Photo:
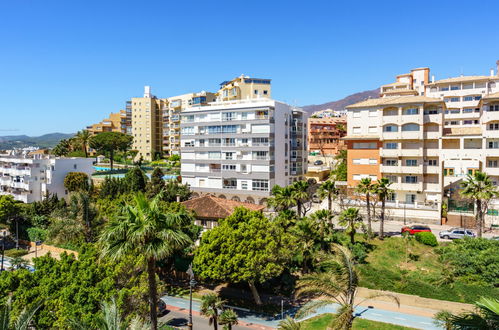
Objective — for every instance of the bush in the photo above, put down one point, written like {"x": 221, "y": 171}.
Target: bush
{"x": 37, "y": 234}
{"x": 426, "y": 238}
{"x": 13, "y": 253}
{"x": 76, "y": 181}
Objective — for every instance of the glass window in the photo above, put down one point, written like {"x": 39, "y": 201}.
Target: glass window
{"x": 494, "y": 107}
{"x": 390, "y": 128}
{"x": 356, "y": 130}
{"x": 493, "y": 127}
{"x": 492, "y": 163}
{"x": 365, "y": 145}
{"x": 391, "y": 145}
{"x": 455, "y": 87}
{"x": 444, "y": 88}
{"x": 373, "y": 113}
{"x": 410, "y": 127}
{"x": 432, "y": 162}
{"x": 411, "y": 179}
{"x": 391, "y": 162}
{"x": 262, "y": 185}
{"x": 468, "y": 98}
{"x": 411, "y": 111}
{"x": 448, "y": 172}
{"x": 411, "y": 162}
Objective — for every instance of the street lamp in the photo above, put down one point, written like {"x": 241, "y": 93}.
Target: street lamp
{"x": 192, "y": 283}
{"x": 3, "y": 248}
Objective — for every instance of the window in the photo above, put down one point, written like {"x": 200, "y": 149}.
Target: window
{"x": 410, "y": 198}
{"x": 432, "y": 162}
{"x": 391, "y": 197}
{"x": 431, "y": 111}
{"x": 493, "y": 127}
{"x": 228, "y": 116}
{"x": 244, "y": 185}
{"x": 365, "y": 145}
{"x": 477, "y": 98}
{"x": 453, "y": 99}
{"x": 392, "y": 178}
{"x": 454, "y": 122}
{"x": 467, "y": 122}
{"x": 261, "y": 155}
{"x": 213, "y": 155}
{"x": 392, "y": 112}
{"x": 229, "y": 142}
{"x": 373, "y": 113}
{"x": 229, "y": 129}
{"x": 411, "y": 179}
{"x": 455, "y": 87}
{"x": 391, "y": 145}
{"x": 265, "y": 92}
{"x": 229, "y": 155}
{"x": 468, "y": 110}
{"x": 230, "y": 183}
{"x": 356, "y": 114}
{"x": 356, "y": 130}
{"x": 228, "y": 167}
{"x": 410, "y": 127}
{"x": 390, "y": 128}
{"x": 494, "y": 107}
{"x": 373, "y": 161}
{"x": 444, "y": 88}
{"x": 492, "y": 163}
{"x": 372, "y": 129}
{"x": 262, "y": 185}
{"x": 448, "y": 172}
{"x": 187, "y": 130}
{"x": 411, "y": 162}
{"x": 411, "y": 111}
{"x": 471, "y": 171}
{"x": 468, "y": 98}
{"x": 468, "y": 86}
{"x": 391, "y": 162}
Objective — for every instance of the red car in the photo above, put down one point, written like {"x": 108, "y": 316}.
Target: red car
{"x": 415, "y": 229}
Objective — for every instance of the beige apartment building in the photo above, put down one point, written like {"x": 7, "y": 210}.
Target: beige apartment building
{"x": 244, "y": 88}
{"x": 116, "y": 122}
{"x": 426, "y": 141}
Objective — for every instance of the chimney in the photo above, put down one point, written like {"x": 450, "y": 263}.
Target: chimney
{"x": 491, "y": 72}
{"x": 147, "y": 91}
{"x": 432, "y": 78}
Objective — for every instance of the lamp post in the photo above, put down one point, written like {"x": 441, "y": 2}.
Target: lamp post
{"x": 192, "y": 283}
{"x": 3, "y": 248}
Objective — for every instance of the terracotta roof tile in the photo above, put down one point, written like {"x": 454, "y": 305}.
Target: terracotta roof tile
{"x": 210, "y": 207}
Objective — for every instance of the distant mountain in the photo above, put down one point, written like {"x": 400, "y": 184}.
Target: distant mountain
{"x": 341, "y": 104}
{"x": 22, "y": 141}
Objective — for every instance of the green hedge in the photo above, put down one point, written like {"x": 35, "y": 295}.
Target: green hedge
{"x": 426, "y": 238}
{"x": 13, "y": 253}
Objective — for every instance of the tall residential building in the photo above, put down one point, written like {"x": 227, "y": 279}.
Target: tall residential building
{"x": 240, "y": 149}
{"x": 171, "y": 117}
{"x": 147, "y": 121}
{"x": 116, "y": 122}
{"x": 426, "y": 145}
{"x": 324, "y": 135}
{"x": 29, "y": 179}
{"x": 243, "y": 88}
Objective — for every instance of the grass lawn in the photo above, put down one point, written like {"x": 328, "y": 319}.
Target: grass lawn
{"x": 321, "y": 322}
{"x": 390, "y": 267}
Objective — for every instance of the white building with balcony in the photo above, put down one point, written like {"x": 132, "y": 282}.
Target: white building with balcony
{"x": 240, "y": 149}
{"x": 29, "y": 179}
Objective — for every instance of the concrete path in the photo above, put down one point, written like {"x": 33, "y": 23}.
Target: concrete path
{"x": 247, "y": 318}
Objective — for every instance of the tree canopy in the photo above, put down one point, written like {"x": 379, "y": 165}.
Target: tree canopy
{"x": 110, "y": 142}
{"x": 76, "y": 181}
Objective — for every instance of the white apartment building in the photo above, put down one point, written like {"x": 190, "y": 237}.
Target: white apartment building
{"x": 240, "y": 149}
{"x": 426, "y": 140}
{"x": 29, "y": 179}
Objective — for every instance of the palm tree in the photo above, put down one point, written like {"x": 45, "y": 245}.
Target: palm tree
{"x": 18, "y": 263}
{"x": 289, "y": 324}
{"x": 443, "y": 319}
{"x": 336, "y": 285}
{"x": 479, "y": 187}
{"x": 301, "y": 195}
{"x": 328, "y": 190}
{"x": 325, "y": 227}
{"x": 381, "y": 187}
{"x": 211, "y": 304}
{"x": 366, "y": 186}
{"x": 283, "y": 198}
{"x": 228, "y": 318}
{"x": 351, "y": 219}
{"x": 145, "y": 230}
{"x": 23, "y": 320}
{"x": 485, "y": 317}
{"x": 83, "y": 138}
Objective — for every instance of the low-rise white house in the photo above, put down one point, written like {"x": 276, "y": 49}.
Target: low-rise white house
{"x": 30, "y": 178}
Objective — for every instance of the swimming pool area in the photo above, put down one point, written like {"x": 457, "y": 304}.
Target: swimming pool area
{"x": 122, "y": 175}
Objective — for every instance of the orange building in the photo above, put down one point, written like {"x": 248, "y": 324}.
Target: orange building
{"x": 324, "y": 135}
{"x": 363, "y": 159}
{"x": 117, "y": 122}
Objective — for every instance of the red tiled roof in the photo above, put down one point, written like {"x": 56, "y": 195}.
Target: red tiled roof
{"x": 210, "y": 207}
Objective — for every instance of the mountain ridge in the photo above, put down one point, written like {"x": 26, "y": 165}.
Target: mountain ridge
{"x": 342, "y": 103}
{"x": 48, "y": 140}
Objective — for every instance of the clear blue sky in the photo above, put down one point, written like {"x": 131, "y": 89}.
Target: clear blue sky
{"x": 66, "y": 64}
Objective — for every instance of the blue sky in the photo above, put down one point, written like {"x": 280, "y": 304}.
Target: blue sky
{"x": 67, "y": 64}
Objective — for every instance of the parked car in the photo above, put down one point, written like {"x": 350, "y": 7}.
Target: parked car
{"x": 318, "y": 162}
{"x": 415, "y": 229}
{"x": 456, "y": 233}
{"x": 162, "y": 310}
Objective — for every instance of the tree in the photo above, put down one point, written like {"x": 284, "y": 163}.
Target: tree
{"x": 136, "y": 180}
{"x": 244, "y": 247}
{"x": 228, "y": 318}
{"x": 174, "y": 189}
{"x": 485, "y": 317}
{"x": 83, "y": 139}
{"x": 76, "y": 181}
{"x": 157, "y": 183}
{"x": 146, "y": 231}
{"x": 339, "y": 173}
{"x": 23, "y": 320}
{"x": 381, "y": 187}
{"x": 338, "y": 284}
{"x": 289, "y": 324}
{"x": 443, "y": 320}
{"x": 9, "y": 207}
{"x": 351, "y": 219}
{"x": 211, "y": 304}
{"x": 301, "y": 193}
{"x": 110, "y": 142}
{"x": 18, "y": 263}
{"x": 282, "y": 198}
{"x": 63, "y": 148}
{"x": 83, "y": 210}
{"x": 328, "y": 190}
{"x": 366, "y": 187}
{"x": 480, "y": 188}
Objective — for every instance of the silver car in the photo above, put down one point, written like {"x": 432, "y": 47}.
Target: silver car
{"x": 456, "y": 233}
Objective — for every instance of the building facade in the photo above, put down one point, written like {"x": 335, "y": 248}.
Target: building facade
{"x": 244, "y": 88}
{"x": 324, "y": 135}
{"x": 29, "y": 179}
{"x": 426, "y": 141}
{"x": 116, "y": 122}
{"x": 240, "y": 149}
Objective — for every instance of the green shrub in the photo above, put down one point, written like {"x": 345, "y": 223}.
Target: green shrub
{"x": 37, "y": 234}
{"x": 13, "y": 253}
{"x": 426, "y": 238}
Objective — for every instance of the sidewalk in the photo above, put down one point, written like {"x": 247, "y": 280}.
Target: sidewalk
{"x": 408, "y": 316}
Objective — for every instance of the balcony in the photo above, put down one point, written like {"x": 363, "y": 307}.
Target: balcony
{"x": 433, "y": 119}
{"x": 490, "y": 116}
{"x": 411, "y": 169}
{"x": 431, "y": 152}
{"x": 494, "y": 171}
{"x": 407, "y": 186}
{"x": 431, "y": 135}
{"x": 432, "y": 187}
{"x": 389, "y": 169}
{"x": 411, "y": 152}
{"x": 431, "y": 169}
{"x": 389, "y": 152}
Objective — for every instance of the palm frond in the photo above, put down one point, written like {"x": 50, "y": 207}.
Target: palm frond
{"x": 312, "y": 306}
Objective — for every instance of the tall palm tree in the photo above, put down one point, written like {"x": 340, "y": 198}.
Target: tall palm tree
{"x": 336, "y": 285}
{"x": 145, "y": 230}
{"x": 283, "y": 198}
{"x": 211, "y": 304}
{"x": 289, "y": 324}
{"x": 479, "y": 187}
{"x": 325, "y": 227}
{"x": 328, "y": 190}
{"x": 381, "y": 187}
{"x": 366, "y": 187}
{"x": 301, "y": 195}
{"x": 351, "y": 220}
{"x": 23, "y": 320}
{"x": 83, "y": 138}
{"x": 485, "y": 317}
{"x": 228, "y": 318}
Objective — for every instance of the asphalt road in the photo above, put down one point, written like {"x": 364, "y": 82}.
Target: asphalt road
{"x": 180, "y": 319}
